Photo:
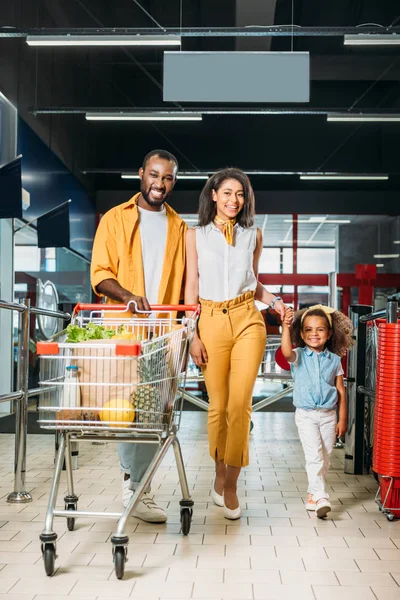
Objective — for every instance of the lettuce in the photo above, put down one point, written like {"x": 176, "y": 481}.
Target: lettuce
{"x": 90, "y": 332}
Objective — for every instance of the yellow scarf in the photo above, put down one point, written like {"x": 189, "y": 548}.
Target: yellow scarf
{"x": 227, "y": 229}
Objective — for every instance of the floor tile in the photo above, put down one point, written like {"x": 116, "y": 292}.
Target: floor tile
{"x": 277, "y": 550}
{"x": 282, "y": 592}
{"x": 323, "y": 592}
{"x": 362, "y": 579}
{"x": 226, "y": 591}
{"x": 386, "y": 593}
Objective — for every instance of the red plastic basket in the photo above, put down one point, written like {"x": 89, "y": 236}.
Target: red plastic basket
{"x": 386, "y": 455}
{"x": 390, "y": 494}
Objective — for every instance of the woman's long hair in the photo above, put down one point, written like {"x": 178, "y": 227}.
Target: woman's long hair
{"x": 207, "y": 206}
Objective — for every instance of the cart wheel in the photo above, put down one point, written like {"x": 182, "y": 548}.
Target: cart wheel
{"x": 390, "y": 516}
{"x": 251, "y": 426}
{"x": 186, "y": 519}
{"x": 119, "y": 561}
{"x": 49, "y": 557}
{"x": 70, "y": 520}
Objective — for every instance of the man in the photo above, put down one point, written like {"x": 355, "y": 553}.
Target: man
{"x": 139, "y": 254}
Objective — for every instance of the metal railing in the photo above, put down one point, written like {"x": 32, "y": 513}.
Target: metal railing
{"x": 22, "y": 394}
{"x": 389, "y": 313}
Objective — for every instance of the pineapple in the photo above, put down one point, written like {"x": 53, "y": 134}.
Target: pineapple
{"x": 144, "y": 400}
{"x": 147, "y": 396}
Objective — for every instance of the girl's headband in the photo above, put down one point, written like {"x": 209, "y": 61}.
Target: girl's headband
{"x": 325, "y": 309}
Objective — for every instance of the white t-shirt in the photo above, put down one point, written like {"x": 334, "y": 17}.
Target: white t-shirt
{"x": 153, "y": 226}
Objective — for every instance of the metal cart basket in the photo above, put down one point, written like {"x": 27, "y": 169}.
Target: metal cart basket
{"x": 121, "y": 389}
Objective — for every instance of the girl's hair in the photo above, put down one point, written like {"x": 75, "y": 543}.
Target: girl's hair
{"x": 207, "y": 207}
{"x": 341, "y": 339}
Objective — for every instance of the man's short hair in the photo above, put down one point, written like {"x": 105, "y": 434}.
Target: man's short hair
{"x": 161, "y": 154}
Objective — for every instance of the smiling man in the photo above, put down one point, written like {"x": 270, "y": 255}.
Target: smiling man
{"x": 139, "y": 254}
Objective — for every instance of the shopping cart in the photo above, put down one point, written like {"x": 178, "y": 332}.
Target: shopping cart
{"x": 121, "y": 389}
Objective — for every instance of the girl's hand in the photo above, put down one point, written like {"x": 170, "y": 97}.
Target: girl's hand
{"x": 198, "y": 352}
{"x": 288, "y": 318}
{"x": 341, "y": 427}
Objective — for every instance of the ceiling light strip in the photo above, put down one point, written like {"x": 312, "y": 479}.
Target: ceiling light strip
{"x": 145, "y": 116}
{"x": 372, "y": 40}
{"x": 313, "y": 222}
{"x": 344, "y": 177}
{"x": 103, "y": 40}
{"x": 363, "y": 118}
{"x": 386, "y": 255}
{"x": 181, "y": 175}
{"x": 195, "y": 174}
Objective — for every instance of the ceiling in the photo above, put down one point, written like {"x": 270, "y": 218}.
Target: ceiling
{"x": 76, "y": 79}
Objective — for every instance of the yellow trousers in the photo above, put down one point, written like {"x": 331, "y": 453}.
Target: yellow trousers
{"x": 233, "y": 333}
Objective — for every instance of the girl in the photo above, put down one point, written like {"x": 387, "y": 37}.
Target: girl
{"x": 223, "y": 252}
{"x": 321, "y": 335}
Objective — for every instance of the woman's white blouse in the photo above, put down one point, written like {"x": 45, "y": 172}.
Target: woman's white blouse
{"x": 225, "y": 271}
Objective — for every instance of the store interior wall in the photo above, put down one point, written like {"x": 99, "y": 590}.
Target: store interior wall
{"x": 8, "y": 149}
{"x": 50, "y": 183}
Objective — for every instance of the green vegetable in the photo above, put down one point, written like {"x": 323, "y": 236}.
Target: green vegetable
{"x": 90, "y": 332}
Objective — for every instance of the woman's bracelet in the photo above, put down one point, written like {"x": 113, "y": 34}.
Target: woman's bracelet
{"x": 272, "y": 304}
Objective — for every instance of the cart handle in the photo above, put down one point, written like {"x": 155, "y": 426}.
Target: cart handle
{"x": 195, "y": 308}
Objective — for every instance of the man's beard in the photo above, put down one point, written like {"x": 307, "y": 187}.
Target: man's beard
{"x": 155, "y": 203}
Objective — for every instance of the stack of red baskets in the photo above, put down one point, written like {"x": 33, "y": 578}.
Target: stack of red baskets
{"x": 386, "y": 453}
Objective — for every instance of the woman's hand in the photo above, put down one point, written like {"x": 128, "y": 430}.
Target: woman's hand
{"x": 280, "y": 308}
{"x": 198, "y": 352}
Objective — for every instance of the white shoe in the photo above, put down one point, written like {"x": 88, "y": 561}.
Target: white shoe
{"x": 147, "y": 509}
{"x": 218, "y": 499}
{"x": 234, "y": 514}
{"x": 310, "y": 504}
{"x": 322, "y": 508}
{"x": 127, "y": 493}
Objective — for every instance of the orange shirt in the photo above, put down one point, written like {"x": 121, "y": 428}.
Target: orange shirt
{"x": 117, "y": 253}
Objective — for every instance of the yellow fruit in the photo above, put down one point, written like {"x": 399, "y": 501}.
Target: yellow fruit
{"x": 119, "y": 412}
{"x": 124, "y": 335}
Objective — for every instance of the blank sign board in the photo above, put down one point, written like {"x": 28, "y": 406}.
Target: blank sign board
{"x": 237, "y": 76}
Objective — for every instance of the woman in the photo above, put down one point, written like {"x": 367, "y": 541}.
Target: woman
{"x": 223, "y": 252}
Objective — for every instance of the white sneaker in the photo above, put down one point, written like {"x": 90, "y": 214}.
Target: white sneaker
{"x": 310, "y": 504}
{"x": 322, "y": 508}
{"x": 147, "y": 509}
{"x": 127, "y": 493}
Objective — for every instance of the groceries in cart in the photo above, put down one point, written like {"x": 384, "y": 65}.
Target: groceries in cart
{"x": 113, "y": 374}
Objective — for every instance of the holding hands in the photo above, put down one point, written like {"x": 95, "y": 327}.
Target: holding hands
{"x": 288, "y": 316}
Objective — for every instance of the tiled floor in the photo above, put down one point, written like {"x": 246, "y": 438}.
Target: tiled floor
{"x": 276, "y": 551}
